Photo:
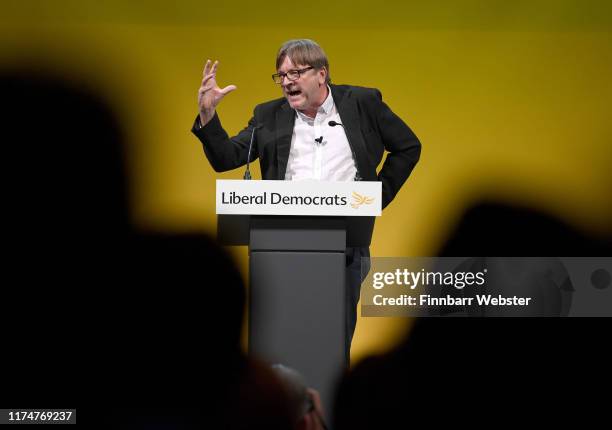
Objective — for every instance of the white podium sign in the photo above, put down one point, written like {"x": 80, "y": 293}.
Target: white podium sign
{"x": 240, "y": 197}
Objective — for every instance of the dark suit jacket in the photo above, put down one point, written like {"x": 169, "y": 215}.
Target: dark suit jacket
{"x": 370, "y": 125}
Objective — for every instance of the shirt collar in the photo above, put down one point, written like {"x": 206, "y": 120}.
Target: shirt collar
{"x": 328, "y": 104}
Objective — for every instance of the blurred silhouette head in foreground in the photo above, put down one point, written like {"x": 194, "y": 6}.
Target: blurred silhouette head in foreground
{"x": 148, "y": 323}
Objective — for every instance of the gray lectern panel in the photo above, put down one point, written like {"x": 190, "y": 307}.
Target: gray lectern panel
{"x": 275, "y": 233}
{"x": 297, "y": 314}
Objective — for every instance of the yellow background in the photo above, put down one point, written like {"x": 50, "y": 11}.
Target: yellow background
{"x": 510, "y": 99}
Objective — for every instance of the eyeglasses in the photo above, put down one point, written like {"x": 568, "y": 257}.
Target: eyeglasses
{"x": 292, "y": 75}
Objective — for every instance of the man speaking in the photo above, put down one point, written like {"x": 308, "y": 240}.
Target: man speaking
{"x": 316, "y": 131}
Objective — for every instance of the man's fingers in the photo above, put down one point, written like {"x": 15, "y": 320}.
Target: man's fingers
{"x": 207, "y": 78}
{"x": 228, "y": 89}
{"x": 208, "y": 83}
{"x": 206, "y": 68}
{"x": 222, "y": 92}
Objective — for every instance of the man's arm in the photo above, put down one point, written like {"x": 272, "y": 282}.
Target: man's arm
{"x": 404, "y": 150}
{"x": 224, "y": 152}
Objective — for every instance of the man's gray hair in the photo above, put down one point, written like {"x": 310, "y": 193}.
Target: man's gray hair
{"x": 304, "y": 52}
{"x": 295, "y": 388}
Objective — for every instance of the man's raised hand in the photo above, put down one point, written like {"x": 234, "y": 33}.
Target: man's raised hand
{"x": 209, "y": 94}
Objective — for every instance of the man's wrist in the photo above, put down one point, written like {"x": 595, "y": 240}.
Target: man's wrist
{"x": 202, "y": 120}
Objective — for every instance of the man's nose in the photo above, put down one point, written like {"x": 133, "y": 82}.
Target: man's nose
{"x": 285, "y": 82}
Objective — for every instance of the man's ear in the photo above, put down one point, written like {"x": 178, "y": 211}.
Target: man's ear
{"x": 322, "y": 75}
{"x": 306, "y": 422}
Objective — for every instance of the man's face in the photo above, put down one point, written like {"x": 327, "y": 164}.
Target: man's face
{"x": 309, "y": 91}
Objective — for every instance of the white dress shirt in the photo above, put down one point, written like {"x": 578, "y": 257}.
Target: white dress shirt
{"x": 330, "y": 160}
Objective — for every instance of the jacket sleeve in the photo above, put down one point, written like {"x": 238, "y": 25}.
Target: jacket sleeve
{"x": 224, "y": 152}
{"x": 403, "y": 147}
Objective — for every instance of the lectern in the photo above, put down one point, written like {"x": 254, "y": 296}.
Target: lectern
{"x": 297, "y": 265}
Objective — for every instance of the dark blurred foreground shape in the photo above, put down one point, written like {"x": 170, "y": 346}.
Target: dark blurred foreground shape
{"x": 135, "y": 330}
{"x": 497, "y": 229}
{"x": 479, "y": 372}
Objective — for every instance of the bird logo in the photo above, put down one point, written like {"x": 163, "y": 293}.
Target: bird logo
{"x": 359, "y": 200}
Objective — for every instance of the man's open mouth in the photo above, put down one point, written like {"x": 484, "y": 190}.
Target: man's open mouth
{"x": 294, "y": 92}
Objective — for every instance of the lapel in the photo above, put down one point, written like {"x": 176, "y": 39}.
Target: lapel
{"x": 285, "y": 119}
{"x": 349, "y": 116}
